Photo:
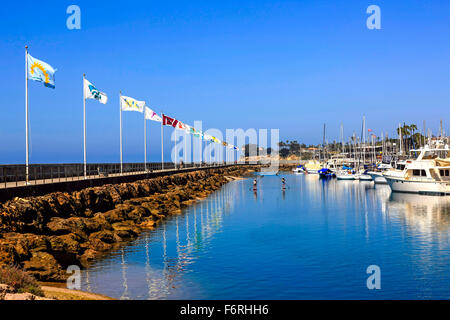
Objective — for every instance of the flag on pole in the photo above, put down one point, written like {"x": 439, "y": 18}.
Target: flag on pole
{"x": 41, "y": 72}
{"x": 188, "y": 128}
{"x": 181, "y": 126}
{"x": 130, "y": 104}
{"x": 91, "y": 92}
{"x": 168, "y": 121}
{"x": 198, "y": 134}
{"x": 152, "y": 115}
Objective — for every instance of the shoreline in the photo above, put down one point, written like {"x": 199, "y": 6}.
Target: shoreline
{"x": 46, "y": 234}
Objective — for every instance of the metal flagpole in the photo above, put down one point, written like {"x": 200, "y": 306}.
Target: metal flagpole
{"x": 176, "y": 156}
{"x": 185, "y": 147}
{"x": 84, "y": 126}
{"x": 121, "y": 154}
{"x": 145, "y": 143}
{"x": 26, "y": 114}
{"x": 162, "y": 142}
{"x": 201, "y": 151}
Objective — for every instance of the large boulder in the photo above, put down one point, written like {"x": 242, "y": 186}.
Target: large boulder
{"x": 105, "y": 236}
{"x": 8, "y": 254}
{"x": 68, "y": 243}
{"x": 126, "y": 229}
{"x": 25, "y": 244}
{"x": 44, "y": 267}
{"x": 60, "y": 226}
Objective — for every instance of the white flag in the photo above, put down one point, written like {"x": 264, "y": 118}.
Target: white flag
{"x": 152, "y": 115}
{"x": 91, "y": 92}
{"x": 130, "y": 104}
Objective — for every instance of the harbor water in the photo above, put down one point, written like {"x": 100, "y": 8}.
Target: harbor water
{"x": 314, "y": 240}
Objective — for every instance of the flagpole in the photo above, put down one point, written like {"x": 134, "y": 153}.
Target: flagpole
{"x": 84, "y": 126}
{"x": 121, "y": 155}
{"x": 162, "y": 142}
{"x": 185, "y": 147}
{"x": 201, "y": 151}
{"x": 145, "y": 142}
{"x": 26, "y": 115}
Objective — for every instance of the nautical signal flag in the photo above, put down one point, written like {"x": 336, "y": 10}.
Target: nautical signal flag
{"x": 41, "y": 72}
{"x": 130, "y": 104}
{"x": 168, "y": 121}
{"x": 152, "y": 115}
{"x": 91, "y": 92}
{"x": 181, "y": 126}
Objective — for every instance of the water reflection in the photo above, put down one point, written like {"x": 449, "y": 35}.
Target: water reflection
{"x": 426, "y": 213}
{"x": 164, "y": 268}
{"x": 321, "y": 222}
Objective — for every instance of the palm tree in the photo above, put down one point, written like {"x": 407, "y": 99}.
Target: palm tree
{"x": 407, "y": 132}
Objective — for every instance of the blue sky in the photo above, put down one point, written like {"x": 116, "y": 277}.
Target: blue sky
{"x": 292, "y": 65}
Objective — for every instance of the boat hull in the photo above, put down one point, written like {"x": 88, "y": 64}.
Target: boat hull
{"x": 345, "y": 177}
{"x": 378, "y": 177}
{"x": 420, "y": 187}
{"x": 365, "y": 177}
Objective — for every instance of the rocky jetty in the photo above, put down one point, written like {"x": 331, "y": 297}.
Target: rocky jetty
{"x": 44, "y": 235}
{"x": 287, "y": 167}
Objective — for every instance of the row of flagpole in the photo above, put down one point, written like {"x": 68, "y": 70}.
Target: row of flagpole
{"x": 42, "y": 72}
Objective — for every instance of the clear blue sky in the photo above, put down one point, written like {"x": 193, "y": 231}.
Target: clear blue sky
{"x": 291, "y": 65}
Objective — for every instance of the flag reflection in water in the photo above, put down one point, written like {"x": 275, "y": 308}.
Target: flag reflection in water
{"x": 167, "y": 251}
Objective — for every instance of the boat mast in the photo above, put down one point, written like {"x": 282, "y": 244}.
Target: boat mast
{"x": 323, "y": 145}
{"x": 363, "y": 137}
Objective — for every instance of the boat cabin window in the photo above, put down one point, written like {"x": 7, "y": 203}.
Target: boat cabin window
{"x": 430, "y": 155}
{"x": 419, "y": 173}
{"x": 445, "y": 173}
{"x": 401, "y": 167}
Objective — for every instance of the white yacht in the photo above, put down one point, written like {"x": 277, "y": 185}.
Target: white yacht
{"x": 365, "y": 177}
{"x": 313, "y": 166}
{"x": 377, "y": 176}
{"x": 299, "y": 170}
{"x": 428, "y": 174}
{"x": 347, "y": 175}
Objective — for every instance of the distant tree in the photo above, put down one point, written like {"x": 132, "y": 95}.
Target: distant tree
{"x": 251, "y": 150}
{"x": 284, "y": 152}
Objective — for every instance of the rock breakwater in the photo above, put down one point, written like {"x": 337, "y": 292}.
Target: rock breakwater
{"x": 44, "y": 235}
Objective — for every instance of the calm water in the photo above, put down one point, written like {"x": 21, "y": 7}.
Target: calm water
{"x": 313, "y": 241}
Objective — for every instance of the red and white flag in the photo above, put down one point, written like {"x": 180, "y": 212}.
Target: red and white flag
{"x": 181, "y": 125}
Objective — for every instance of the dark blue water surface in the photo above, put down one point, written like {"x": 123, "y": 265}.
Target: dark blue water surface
{"x": 313, "y": 241}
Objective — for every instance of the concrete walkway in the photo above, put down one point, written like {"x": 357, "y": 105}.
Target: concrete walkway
{"x": 8, "y": 185}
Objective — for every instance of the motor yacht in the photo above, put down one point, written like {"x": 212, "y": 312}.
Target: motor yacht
{"x": 428, "y": 174}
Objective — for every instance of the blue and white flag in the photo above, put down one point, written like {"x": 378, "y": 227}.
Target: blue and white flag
{"x": 91, "y": 92}
{"x": 41, "y": 72}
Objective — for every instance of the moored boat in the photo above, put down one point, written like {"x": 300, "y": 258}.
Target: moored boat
{"x": 326, "y": 174}
{"x": 428, "y": 174}
{"x": 377, "y": 177}
{"x": 299, "y": 170}
{"x": 313, "y": 166}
